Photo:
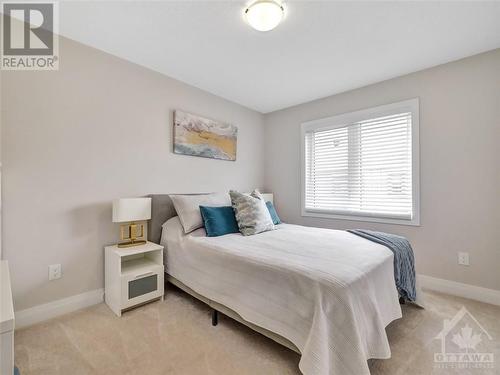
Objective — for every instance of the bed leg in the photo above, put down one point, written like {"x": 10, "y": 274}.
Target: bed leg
{"x": 215, "y": 317}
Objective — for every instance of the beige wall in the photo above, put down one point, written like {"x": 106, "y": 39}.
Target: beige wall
{"x": 98, "y": 129}
{"x": 459, "y": 158}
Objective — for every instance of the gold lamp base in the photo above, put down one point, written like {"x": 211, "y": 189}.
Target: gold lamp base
{"x": 133, "y": 234}
{"x": 131, "y": 243}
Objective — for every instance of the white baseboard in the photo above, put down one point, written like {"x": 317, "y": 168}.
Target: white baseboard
{"x": 53, "y": 309}
{"x": 454, "y": 288}
{"x": 36, "y": 314}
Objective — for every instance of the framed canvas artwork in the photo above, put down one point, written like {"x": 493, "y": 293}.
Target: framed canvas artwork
{"x": 198, "y": 136}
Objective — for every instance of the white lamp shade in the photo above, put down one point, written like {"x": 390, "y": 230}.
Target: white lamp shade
{"x": 131, "y": 209}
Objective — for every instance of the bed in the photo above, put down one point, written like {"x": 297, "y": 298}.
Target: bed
{"x": 325, "y": 294}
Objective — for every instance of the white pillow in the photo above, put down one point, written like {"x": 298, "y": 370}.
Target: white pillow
{"x": 188, "y": 207}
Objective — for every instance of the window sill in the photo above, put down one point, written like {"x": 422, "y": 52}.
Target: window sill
{"x": 372, "y": 219}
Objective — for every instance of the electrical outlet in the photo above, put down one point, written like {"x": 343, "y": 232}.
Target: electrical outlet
{"x": 463, "y": 258}
{"x": 54, "y": 271}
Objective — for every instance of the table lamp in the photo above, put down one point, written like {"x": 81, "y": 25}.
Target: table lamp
{"x": 130, "y": 211}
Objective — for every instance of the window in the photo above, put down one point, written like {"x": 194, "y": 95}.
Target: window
{"x": 363, "y": 165}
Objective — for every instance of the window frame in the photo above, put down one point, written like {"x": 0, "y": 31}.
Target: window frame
{"x": 341, "y": 120}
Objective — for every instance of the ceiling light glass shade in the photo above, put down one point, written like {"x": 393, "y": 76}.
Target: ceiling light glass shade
{"x": 264, "y": 15}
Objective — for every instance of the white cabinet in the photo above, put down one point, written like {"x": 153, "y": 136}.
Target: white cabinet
{"x": 6, "y": 322}
{"x": 133, "y": 275}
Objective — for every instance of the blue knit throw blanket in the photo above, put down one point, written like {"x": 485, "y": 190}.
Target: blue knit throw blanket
{"x": 404, "y": 262}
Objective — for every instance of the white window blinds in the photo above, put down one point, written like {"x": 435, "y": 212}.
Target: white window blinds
{"x": 363, "y": 168}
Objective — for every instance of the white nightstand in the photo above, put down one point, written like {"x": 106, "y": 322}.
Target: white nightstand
{"x": 133, "y": 275}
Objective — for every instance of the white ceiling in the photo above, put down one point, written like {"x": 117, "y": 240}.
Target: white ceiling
{"x": 320, "y": 49}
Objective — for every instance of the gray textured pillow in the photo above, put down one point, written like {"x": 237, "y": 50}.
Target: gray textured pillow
{"x": 251, "y": 213}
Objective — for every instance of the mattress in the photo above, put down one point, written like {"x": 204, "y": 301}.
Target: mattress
{"x": 329, "y": 292}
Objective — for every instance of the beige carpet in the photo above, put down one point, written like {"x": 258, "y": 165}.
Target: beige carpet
{"x": 176, "y": 337}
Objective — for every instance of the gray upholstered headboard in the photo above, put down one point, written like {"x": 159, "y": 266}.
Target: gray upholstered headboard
{"x": 163, "y": 209}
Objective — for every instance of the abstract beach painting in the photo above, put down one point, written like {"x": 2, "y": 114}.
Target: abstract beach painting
{"x": 199, "y": 136}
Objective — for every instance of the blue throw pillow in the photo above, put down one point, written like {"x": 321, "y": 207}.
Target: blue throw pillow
{"x": 219, "y": 220}
{"x": 274, "y": 214}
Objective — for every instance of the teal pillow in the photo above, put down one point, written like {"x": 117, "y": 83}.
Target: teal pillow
{"x": 219, "y": 220}
{"x": 274, "y": 214}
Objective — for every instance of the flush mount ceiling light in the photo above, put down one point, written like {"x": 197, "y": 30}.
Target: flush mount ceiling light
{"x": 264, "y": 15}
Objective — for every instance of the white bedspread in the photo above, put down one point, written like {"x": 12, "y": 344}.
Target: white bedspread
{"x": 329, "y": 292}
